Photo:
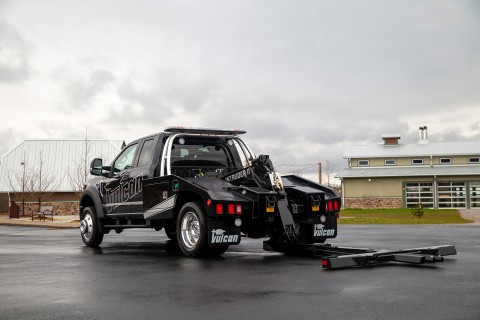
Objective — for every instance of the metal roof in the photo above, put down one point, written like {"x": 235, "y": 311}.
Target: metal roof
{"x": 413, "y": 171}
{"x": 413, "y": 150}
{"x": 59, "y": 158}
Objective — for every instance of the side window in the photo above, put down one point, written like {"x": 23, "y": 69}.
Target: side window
{"x": 125, "y": 159}
{"x": 146, "y": 153}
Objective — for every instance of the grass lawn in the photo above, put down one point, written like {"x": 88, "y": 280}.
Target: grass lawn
{"x": 399, "y": 216}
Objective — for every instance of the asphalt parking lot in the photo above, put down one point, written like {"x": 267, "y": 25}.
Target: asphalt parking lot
{"x": 49, "y": 274}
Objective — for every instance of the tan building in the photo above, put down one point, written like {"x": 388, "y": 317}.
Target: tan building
{"x": 396, "y": 175}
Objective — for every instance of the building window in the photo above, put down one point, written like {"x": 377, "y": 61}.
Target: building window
{"x": 390, "y": 162}
{"x": 417, "y": 161}
{"x": 418, "y": 193}
{"x": 363, "y": 163}
{"x": 474, "y": 160}
{"x": 445, "y": 160}
{"x": 451, "y": 195}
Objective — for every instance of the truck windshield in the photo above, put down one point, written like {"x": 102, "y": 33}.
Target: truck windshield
{"x": 195, "y": 156}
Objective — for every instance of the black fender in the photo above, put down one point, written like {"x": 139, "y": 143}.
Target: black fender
{"x": 90, "y": 197}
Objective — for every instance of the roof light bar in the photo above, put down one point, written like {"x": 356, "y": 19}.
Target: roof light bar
{"x": 196, "y": 130}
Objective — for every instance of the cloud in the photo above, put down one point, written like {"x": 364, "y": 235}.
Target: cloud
{"x": 82, "y": 83}
{"x": 166, "y": 92}
{"x": 9, "y": 138}
{"x": 15, "y": 55}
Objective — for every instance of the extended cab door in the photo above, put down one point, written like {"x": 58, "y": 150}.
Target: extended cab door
{"x": 141, "y": 171}
{"x": 117, "y": 191}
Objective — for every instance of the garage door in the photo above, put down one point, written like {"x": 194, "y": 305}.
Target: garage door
{"x": 452, "y": 195}
{"x": 475, "y": 194}
{"x": 419, "y": 192}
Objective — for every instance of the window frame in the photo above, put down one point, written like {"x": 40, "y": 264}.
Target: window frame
{"x": 473, "y": 162}
{"x": 418, "y": 159}
{"x": 445, "y": 163}
{"x": 390, "y": 164}
{"x": 367, "y": 163}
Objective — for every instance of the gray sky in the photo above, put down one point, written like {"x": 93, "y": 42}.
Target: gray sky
{"x": 304, "y": 78}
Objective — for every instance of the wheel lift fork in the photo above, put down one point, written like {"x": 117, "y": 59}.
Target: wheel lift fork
{"x": 344, "y": 257}
{"x": 412, "y": 256}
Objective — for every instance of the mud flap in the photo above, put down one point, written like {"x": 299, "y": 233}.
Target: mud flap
{"x": 324, "y": 230}
{"x": 222, "y": 233}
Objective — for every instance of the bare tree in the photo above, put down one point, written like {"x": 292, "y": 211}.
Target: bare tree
{"x": 78, "y": 172}
{"x": 41, "y": 184}
{"x": 329, "y": 176}
{"x": 18, "y": 181}
{"x": 329, "y": 172}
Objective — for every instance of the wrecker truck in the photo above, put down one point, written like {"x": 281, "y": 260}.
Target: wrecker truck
{"x": 207, "y": 189}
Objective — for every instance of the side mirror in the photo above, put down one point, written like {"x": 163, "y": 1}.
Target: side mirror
{"x": 96, "y": 167}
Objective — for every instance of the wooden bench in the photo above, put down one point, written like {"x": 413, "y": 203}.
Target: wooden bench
{"x": 44, "y": 211}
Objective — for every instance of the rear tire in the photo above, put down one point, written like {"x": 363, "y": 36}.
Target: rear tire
{"x": 89, "y": 228}
{"x": 192, "y": 230}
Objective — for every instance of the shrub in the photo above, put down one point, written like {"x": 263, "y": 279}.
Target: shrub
{"x": 418, "y": 210}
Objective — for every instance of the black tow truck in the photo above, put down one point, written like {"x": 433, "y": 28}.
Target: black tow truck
{"x": 207, "y": 189}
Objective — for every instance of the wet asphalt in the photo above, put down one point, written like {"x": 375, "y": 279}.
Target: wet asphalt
{"x": 140, "y": 274}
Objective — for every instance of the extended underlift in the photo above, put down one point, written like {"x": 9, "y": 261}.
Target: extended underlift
{"x": 334, "y": 257}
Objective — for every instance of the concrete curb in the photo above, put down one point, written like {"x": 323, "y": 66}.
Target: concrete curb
{"x": 63, "y": 222}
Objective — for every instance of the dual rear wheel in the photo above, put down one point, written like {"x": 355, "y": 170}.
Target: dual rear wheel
{"x": 192, "y": 232}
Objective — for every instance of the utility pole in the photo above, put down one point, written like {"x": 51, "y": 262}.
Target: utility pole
{"x": 23, "y": 188}
{"x": 320, "y": 172}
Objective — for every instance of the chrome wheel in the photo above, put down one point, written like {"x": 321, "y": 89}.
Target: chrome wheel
{"x": 90, "y": 230}
{"x": 86, "y": 227}
{"x": 190, "y": 230}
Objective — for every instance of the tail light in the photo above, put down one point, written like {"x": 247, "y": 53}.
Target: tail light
{"x": 231, "y": 208}
{"x": 329, "y": 206}
{"x": 332, "y": 205}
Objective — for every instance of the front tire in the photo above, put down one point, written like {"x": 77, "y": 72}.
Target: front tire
{"x": 89, "y": 228}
